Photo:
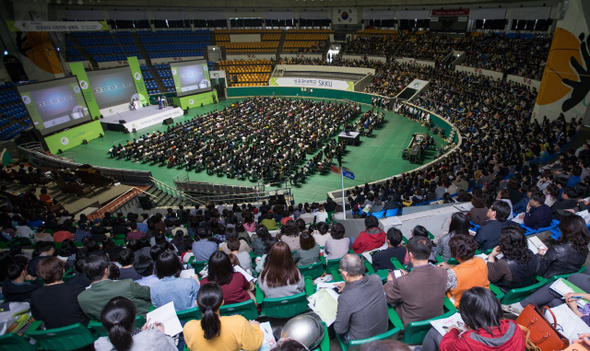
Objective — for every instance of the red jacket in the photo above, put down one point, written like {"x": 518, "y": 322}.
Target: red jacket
{"x": 368, "y": 240}
{"x": 509, "y": 338}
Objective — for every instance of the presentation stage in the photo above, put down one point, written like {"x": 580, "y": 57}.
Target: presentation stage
{"x": 190, "y": 77}
{"x": 112, "y": 87}
{"x": 55, "y": 105}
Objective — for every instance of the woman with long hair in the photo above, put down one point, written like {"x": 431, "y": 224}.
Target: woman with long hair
{"x": 458, "y": 224}
{"x": 235, "y": 287}
{"x": 571, "y": 250}
{"x": 486, "y": 329}
{"x": 117, "y": 317}
{"x": 213, "y": 332}
{"x": 280, "y": 276}
{"x": 518, "y": 266}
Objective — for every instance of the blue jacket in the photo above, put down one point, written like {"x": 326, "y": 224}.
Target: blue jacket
{"x": 538, "y": 217}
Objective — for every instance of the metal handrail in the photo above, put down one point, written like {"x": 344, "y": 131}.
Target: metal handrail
{"x": 117, "y": 202}
{"x": 34, "y": 152}
{"x": 176, "y": 192}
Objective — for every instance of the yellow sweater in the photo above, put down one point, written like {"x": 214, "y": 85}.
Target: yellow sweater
{"x": 469, "y": 274}
{"x": 236, "y": 334}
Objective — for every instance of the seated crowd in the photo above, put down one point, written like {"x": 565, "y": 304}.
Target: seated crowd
{"x": 143, "y": 270}
{"x": 520, "y": 56}
{"x": 262, "y": 137}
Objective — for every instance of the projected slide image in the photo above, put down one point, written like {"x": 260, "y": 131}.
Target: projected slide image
{"x": 190, "y": 77}
{"x": 57, "y": 105}
{"x": 112, "y": 87}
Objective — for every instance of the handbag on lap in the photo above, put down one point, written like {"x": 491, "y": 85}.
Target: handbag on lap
{"x": 542, "y": 333}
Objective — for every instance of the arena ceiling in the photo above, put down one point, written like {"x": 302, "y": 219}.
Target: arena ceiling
{"x": 284, "y": 4}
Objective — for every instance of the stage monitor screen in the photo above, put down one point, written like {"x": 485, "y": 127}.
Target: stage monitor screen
{"x": 190, "y": 77}
{"x": 112, "y": 87}
{"x": 55, "y": 105}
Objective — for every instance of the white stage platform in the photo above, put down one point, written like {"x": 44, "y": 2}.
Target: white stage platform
{"x": 140, "y": 118}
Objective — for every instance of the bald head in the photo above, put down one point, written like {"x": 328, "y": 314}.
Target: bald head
{"x": 352, "y": 264}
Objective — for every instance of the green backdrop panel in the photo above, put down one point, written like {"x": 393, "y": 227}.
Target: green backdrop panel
{"x": 192, "y": 101}
{"x": 138, "y": 80}
{"x": 79, "y": 71}
{"x": 73, "y": 137}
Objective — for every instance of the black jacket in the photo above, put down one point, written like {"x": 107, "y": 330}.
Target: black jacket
{"x": 560, "y": 259}
{"x": 523, "y": 274}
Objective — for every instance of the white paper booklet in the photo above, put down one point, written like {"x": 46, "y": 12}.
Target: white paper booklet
{"x": 517, "y": 218}
{"x": 246, "y": 275}
{"x": 325, "y": 304}
{"x": 445, "y": 324}
{"x": 187, "y": 273}
{"x": 167, "y": 316}
{"x": 269, "y": 339}
{"x": 535, "y": 244}
{"x": 562, "y": 286}
{"x": 369, "y": 257}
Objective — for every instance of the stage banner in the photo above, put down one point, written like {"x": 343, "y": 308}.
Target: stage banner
{"x": 193, "y": 101}
{"x": 73, "y": 137}
{"x": 138, "y": 79}
{"x": 57, "y": 26}
{"x": 312, "y": 83}
{"x": 79, "y": 71}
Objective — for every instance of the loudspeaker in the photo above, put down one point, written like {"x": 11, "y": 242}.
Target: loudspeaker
{"x": 122, "y": 121}
{"x": 168, "y": 121}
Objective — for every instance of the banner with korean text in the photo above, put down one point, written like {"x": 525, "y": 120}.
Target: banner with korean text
{"x": 312, "y": 83}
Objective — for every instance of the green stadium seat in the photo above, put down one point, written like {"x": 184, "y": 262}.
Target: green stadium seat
{"x": 190, "y": 314}
{"x": 72, "y": 337}
{"x": 15, "y": 342}
{"x": 313, "y": 270}
{"x": 519, "y": 294}
{"x": 247, "y": 309}
{"x": 282, "y": 307}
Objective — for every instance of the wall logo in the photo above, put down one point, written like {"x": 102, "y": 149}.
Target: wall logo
{"x": 191, "y": 102}
{"x": 83, "y": 85}
{"x": 137, "y": 76}
{"x": 417, "y": 84}
{"x": 64, "y": 141}
{"x": 26, "y": 100}
{"x": 77, "y": 89}
{"x": 173, "y": 71}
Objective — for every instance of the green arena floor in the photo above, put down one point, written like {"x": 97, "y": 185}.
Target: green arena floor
{"x": 378, "y": 157}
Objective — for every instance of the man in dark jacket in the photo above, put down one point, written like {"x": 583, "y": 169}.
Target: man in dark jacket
{"x": 538, "y": 215}
{"x": 488, "y": 235}
{"x": 568, "y": 202}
